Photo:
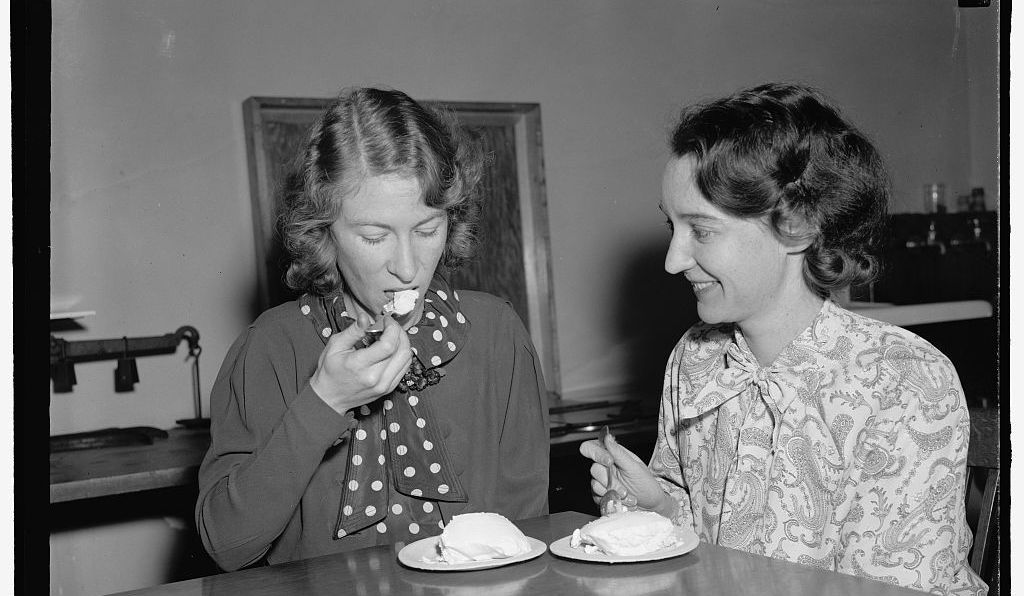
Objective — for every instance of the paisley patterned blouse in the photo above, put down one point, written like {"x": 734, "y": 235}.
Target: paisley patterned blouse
{"x": 847, "y": 453}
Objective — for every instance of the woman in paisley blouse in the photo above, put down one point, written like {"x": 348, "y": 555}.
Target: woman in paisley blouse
{"x": 324, "y": 441}
{"x": 791, "y": 427}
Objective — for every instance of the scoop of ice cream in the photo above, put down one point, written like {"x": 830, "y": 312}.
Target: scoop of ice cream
{"x": 402, "y": 303}
{"x": 480, "y": 537}
{"x": 626, "y": 533}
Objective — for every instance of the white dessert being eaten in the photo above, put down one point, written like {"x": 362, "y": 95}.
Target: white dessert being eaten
{"x": 480, "y": 537}
{"x": 626, "y": 533}
{"x": 402, "y": 303}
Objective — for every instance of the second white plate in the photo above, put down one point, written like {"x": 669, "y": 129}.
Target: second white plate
{"x": 422, "y": 554}
{"x": 689, "y": 541}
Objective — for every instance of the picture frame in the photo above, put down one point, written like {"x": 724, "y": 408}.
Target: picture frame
{"x": 514, "y": 257}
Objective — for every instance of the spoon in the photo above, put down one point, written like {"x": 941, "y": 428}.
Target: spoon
{"x": 612, "y": 501}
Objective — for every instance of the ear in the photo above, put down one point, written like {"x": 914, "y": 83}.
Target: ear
{"x": 797, "y": 234}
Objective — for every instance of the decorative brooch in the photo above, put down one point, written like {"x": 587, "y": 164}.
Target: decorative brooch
{"x": 417, "y": 378}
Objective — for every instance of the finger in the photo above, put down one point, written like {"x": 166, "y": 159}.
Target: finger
{"x": 597, "y": 488}
{"x": 621, "y": 456}
{"x": 346, "y": 340}
{"x": 594, "y": 451}
{"x": 599, "y": 473}
{"x": 395, "y": 369}
{"x": 384, "y": 348}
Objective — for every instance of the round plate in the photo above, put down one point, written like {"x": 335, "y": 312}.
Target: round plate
{"x": 689, "y": 541}
{"x": 422, "y": 554}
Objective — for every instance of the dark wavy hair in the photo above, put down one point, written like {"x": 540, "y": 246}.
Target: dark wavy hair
{"x": 783, "y": 153}
{"x": 372, "y": 132}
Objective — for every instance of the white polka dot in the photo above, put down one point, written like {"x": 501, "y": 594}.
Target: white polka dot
{"x": 357, "y": 459}
{"x": 428, "y": 507}
{"x": 347, "y": 510}
{"x": 415, "y": 351}
{"x": 393, "y": 427}
{"x": 396, "y": 509}
{"x": 451, "y": 346}
{"x": 437, "y": 335}
{"x": 344, "y": 313}
{"x": 460, "y": 318}
{"x": 341, "y": 533}
{"x": 370, "y": 510}
{"x": 413, "y": 400}
{"x": 383, "y": 434}
{"x": 409, "y": 472}
{"x": 388, "y": 404}
{"x": 326, "y": 332}
{"x": 421, "y": 422}
{"x": 444, "y": 321}
{"x": 431, "y": 315}
{"x": 305, "y": 309}
{"x": 416, "y": 492}
{"x": 443, "y": 489}
{"x": 440, "y": 524}
{"x": 377, "y": 485}
{"x": 414, "y": 528}
{"x": 380, "y": 459}
{"x": 428, "y": 445}
{"x": 353, "y": 485}
{"x": 435, "y": 360}
{"x": 360, "y": 434}
{"x": 442, "y": 295}
{"x": 456, "y": 294}
{"x": 401, "y": 450}
{"x": 414, "y": 330}
{"x": 364, "y": 410}
{"x": 435, "y": 467}
{"x": 382, "y": 528}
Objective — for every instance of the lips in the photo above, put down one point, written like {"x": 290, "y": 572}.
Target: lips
{"x": 702, "y": 287}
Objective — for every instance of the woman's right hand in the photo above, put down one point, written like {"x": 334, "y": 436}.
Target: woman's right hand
{"x": 347, "y": 377}
{"x": 617, "y": 468}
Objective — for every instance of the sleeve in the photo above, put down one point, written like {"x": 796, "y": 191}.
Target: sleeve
{"x": 907, "y": 524}
{"x": 666, "y": 460}
{"x": 267, "y": 441}
{"x": 525, "y": 440}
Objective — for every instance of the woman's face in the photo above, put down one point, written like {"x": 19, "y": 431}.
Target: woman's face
{"x": 388, "y": 240}
{"x": 740, "y": 272}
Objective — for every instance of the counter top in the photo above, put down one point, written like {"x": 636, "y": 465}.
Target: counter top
{"x": 88, "y": 473}
{"x": 708, "y": 570}
{"x": 905, "y": 315}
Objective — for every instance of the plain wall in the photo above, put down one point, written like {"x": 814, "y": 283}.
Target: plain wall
{"x": 150, "y": 209}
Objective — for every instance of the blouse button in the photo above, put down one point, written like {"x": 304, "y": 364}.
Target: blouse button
{"x": 326, "y": 332}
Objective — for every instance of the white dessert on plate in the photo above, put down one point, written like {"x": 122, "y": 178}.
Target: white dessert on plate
{"x": 402, "y": 303}
{"x": 627, "y": 533}
{"x": 480, "y": 537}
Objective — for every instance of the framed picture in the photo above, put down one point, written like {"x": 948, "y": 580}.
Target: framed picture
{"x": 513, "y": 260}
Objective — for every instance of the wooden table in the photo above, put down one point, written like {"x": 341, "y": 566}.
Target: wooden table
{"x": 707, "y": 570}
{"x": 88, "y": 473}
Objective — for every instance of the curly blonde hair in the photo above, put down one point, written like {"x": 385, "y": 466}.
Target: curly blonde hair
{"x": 369, "y": 132}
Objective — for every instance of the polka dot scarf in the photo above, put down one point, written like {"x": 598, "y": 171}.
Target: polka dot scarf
{"x": 398, "y": 466}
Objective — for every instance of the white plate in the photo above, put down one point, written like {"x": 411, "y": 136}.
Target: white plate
{"x": 422, "y": 554}
{"x": 689, "y": 541}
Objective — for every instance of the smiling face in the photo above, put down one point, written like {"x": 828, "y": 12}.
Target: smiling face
{"x": 388, "y": 240}
{"x": 740, "y": 271}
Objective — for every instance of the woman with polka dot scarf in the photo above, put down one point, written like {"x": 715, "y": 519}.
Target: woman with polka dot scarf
{"x": 327, "y": 438}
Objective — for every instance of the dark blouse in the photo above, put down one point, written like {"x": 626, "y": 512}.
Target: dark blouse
{"x": 271, "y": 484}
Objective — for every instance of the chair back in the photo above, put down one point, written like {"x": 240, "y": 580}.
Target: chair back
{"x": 983, "y": 494}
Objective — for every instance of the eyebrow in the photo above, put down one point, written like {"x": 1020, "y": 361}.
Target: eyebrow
{"x": 377, "y": 224}
{"x": 691, "y": 216}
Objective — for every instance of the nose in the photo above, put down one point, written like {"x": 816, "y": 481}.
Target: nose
{"x": 679, "y": 256}
{"x": 403, "y": 261}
